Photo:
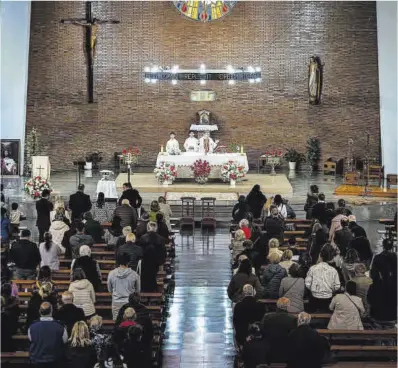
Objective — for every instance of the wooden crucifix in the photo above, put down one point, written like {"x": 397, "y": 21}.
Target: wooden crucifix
{"x": 90, "y": 25}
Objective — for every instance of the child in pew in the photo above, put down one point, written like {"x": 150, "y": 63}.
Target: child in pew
{"x": 102, "y": 342}
{"x": 16, "y": 216}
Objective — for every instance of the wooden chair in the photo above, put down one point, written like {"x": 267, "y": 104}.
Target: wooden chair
{"x": 208, "y": 213}
{"x": 351, "y": 178}
{"x": 329, "y": 168}
{"x": 187, "y": 220}
{"x": 375, "y": 172}
{"x": 392, "y": 179}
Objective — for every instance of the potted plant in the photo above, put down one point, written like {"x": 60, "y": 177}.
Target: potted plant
{"x": 165, "y": 173}
{"x": 232, "y": 172}
{"x": 92, "y": 160}
{"x": 313, "y": 152}
{"x": 293, "y": 157}
{"x": 201, "y": 171}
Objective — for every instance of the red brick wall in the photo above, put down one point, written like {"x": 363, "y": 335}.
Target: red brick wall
{"x": 277, "y": 36}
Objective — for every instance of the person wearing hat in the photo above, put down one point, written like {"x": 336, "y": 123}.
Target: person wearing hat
{"x": 26, "y": 256}
{"x": 79, "y": 203}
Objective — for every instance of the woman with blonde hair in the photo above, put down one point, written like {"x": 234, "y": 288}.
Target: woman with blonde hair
{"x": 272, "y": 277}
{"x": 80, "y": 352}
{"x": 102, "y": 342}
{"x": 237, "y": 244}
{"x": 286, "y": 259}
{"x": 274, "y": 248}
{"x": 59, "y": 208}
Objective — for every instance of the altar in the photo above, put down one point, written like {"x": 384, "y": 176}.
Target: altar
{"x": 184, "y": 161}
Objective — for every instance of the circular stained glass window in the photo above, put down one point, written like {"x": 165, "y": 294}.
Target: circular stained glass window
{"x": 204, "y": 11}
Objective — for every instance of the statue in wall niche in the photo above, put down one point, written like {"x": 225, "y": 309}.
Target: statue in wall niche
{"x": 315, "y": 75}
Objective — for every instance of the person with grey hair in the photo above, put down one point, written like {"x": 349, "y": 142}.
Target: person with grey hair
{"x": 246, "y": 312}
{"x": 127, "y": 213}
{"x": 89, "y": 265}
{"x": 69, "y": 314}
{"x": 305, "y": 346}
{"x": 47, "y": 338}
{"x": 154, "y": 239}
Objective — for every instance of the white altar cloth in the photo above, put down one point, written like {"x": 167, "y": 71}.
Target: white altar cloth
{"x": 216, "y": 160}
{"x": 108, "y": 187}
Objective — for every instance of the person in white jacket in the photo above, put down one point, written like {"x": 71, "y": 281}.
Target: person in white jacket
{"x": 83, "y": 292}
{"x": 58, "y": 229}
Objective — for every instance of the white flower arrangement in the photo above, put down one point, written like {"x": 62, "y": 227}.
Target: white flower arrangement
{"x": 166, "y": 172}
{"x": 35, "y": 186}
{"x": 232, "y": 170}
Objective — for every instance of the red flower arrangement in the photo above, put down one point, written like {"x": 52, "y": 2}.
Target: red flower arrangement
{"x": 201, "y": 168}
{"x": 130, "y": 154}
{"x": 275, "y": 153}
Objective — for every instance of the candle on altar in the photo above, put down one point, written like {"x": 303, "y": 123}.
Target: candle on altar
{"x": 241, "y": 149}
{"x": 161, "y": 148}
{"x": 129, "y": 157}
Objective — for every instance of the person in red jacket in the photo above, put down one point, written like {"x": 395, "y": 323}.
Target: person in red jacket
{"x": 244, "y": 226}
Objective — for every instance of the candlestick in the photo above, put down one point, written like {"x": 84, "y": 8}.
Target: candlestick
{"x": 241, "y": 149}
{"x": 161, "y": 148}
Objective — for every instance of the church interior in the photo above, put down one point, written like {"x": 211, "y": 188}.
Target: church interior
{"x": 231, "y": 125}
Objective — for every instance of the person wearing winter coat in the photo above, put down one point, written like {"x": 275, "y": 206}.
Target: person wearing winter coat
{"x": 293, "y": 287}
{"x": 243, "y": 277}
{"x": 240, "y": 209}
{"x": 122, "y": 281}
{"x": 83, "y": 292}
{"x": 347, "y": 310}
{"x": 343, "y": 237}
{"x": 256, "y": 200}
{"x": 312, "y": 200}
{"x": 237, "y": 244}
{"x": 89, "y": 266}
{"x": 272, "y": 277}
{"x": 79, "y": 239}
{"x": 273, "y": 245}
{"x": 133, "y": 250}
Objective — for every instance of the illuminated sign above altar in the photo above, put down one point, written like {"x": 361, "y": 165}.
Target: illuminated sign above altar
{"x": 250, "y": 74}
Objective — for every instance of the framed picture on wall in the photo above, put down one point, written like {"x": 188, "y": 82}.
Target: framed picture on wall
{"x": 10, "y": 156}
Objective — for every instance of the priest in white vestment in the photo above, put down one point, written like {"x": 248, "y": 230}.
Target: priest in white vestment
{"x": 206, "y": 144}
{"x": 191, "y": 143}
{"x": 172, "y": 145}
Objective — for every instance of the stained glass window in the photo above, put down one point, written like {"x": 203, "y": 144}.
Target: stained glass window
{"x": 204, "y": 11}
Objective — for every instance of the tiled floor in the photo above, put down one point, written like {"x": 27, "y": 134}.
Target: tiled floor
{"x": 199, "y": 328}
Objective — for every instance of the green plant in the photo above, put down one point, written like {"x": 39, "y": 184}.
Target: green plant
{"x": 292, "y": 155}
{"x": 313, "y": 151}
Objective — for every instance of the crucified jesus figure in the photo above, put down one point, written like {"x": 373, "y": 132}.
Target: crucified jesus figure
{"x": 90, "y": 25}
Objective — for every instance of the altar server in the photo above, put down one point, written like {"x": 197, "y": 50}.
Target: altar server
{"x": 191, "y": 143}
{"x": 172, "y": 145}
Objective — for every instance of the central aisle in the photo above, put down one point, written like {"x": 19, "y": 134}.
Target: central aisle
{"x": 199, "y": 329}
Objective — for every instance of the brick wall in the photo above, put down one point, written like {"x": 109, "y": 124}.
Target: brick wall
{"x": 277, "y": 36}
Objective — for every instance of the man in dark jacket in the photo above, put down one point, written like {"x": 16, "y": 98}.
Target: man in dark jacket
{"x": 143, "y": 316}
{"x": 343, "y": 237}
{"x": 133, "y": 250}
{"x": 276, "y": 327}
{"x": 79, "y": 203}
{"x": 152, "y": 238}
{"x": 69, "y": 314}
{"x": 43, "y": 208}
{"x": 127, "y": 214}
{"x": 246, "y": 312}
{"x": 93, "y": 228}
{"x": 305, "y": 347}
{"x": 319, "y": 210}
{"x": 356, "y": 229}
{"x": 47, "y": 339}
{"x": 26, "y": 256}
{"x": 382, "y": 294}
{"x": 274, "y": 225}
{"x": 79, "y": 239}
{"x": 132, "y": 195}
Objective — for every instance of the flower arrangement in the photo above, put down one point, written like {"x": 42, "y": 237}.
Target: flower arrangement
{"x": 201, "y": 171}
{"x": 130, "y": 155}
{"x": 274, "y": 153}
{"x": 165, "y": 172}
{"x": 35, "y": 186}
{"x": 232, "y": 170}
